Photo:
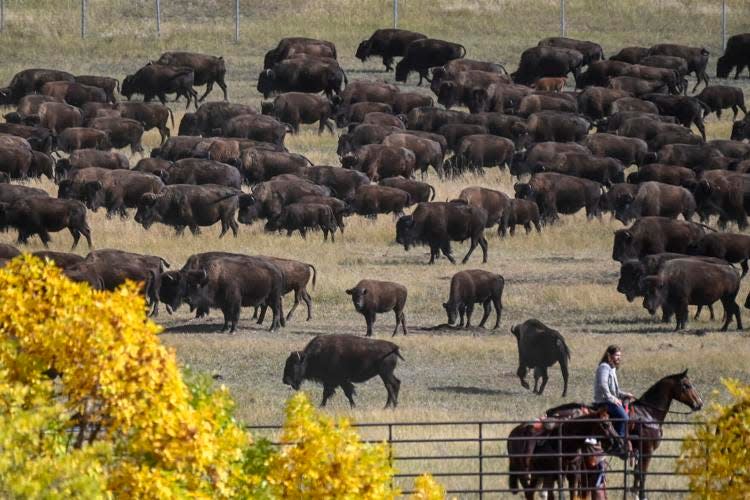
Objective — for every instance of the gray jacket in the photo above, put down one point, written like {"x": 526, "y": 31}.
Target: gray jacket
{"x": 606, "y": 387}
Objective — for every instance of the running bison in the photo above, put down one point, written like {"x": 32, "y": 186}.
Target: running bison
{"x": 540, "y": 347}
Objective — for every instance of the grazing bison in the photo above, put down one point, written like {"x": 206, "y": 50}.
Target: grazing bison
{"x": 718, "y": 97}
{"x": 696, "y": 57}
{"x": 538, "y": 62}
{"x": 119, "y": 190}
{"x": 655, "y": 199}
{"x": 371, "y": 200}
{"x": 157, "y": 80}
{"x": 42, "y": 215}
{"x": 371, "y": 297}
{"x": 302, "y": 75}
{"x": 558, "y": 127}
{"x": 418, "y": 191}
{"x": 121, "y": 132}
{"x": 426, "y": 151}
{"x": 255, "y": 127}
{"x": 650, "y": 235}
{"x": 558, "y": 193}
{"x": 628, "y": 150}
{"x": 151, "y": 115}
{"x": 207, "y": 69}
{"x": 295, "y": 108}
{"x": 341, "y": 361}
{"x": 540, "y": 347}
{"x": 296, "y": 46}
{"x": 184, "y": 205}
{"x": 107, "y": 84}
{"x": 630, "y": 55}
{"x": 211, "y": 116}
{"x": 737, "y": 54}
{"x": 426, "y": 53}
{"x": 387, "y": 43}
{"x": 438, "y": 223}
{"x": 474, "y": 287}
{"x": 682, "y": 282}
{"x": 667, "y": 174}
{"x": 733, "y": 248}
{"x": 303, "y": 217}
{"x": 605, "y": 171}
{"x": 493, "y": 202}
{"x": 519, "y": 213}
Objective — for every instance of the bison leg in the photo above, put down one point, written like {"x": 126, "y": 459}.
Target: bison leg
{"x": 403, "y": 322}
{"x": 294, "y": 306}
{"x": 744, "y": 267}
{"x": 682, "y": 315}
{"x": 498, "y": 303}
{"x": 388, "y": 63}
{"x": 392, "y": 385}
{"x": 731, "y": 309}
{"x": 209, "y": 88}
{"x": 521, "y": 372}
{"x": 76, "y": 237}
{"x": 446, "y": 249}
{"x": 486, "y": 314}
{"x": 308, "y": 302}
{"x": 263, "y": 309}
{"x": 328, "y": 391}
{"x": 369, "y": 319}
{"x": 223, "y": 86}
{"x": 349, "y": 391}
{"x": 541, "y": 371}
{"x": 469, "y": 311}
{"x": 474, "y": 242}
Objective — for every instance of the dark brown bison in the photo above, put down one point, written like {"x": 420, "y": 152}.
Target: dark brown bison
{"x": 668, "y": 174}
{"x": 184, "y": 205}
{"x": 305, "y": 217}
{"x": 650, "y": 235}
{"x": 418, "y": 191}
{"x": 520, "y": 213}
{"x": 540, "y": 347}
{"x": 269, "y": 198}
{"x": 207, "y": 69}
{"x": 384, "y": 119}
{"x": 119, "y": 190}
{"x": 341, "y": 361}
{"x": 107, "y": 84}
{"x": 733, "y": 248}
{"x": 367, "y": 91}
{"x": 718, "y": 97}
{"x": 387, "y": 43}
{"x": 558, "y": 193}
{"x": 57, "y": 116}
{"x": 630, "y": 55}
{"x": 295, "y": 108}
{"x": 455, "y": 132}
{"x": 86, "y": 158}
{"x": 591, "y": 51}
{"x": 682, "y": 282}
{"x": 158, "y": 80}
{"x": 8, "y": 251}
{"x": 696, "y": 57}
{"x": 542, "y": 153}
{"x": 731, "y": 149}
{"x": 493, "y": 202}
{"x": 42, "y": 215}
{"x": 151, "y": 115}
{"x": 687, "y": 110}
{"x": 372, "y": 200}
{"x": 63, "y": 260}
{"x": 255, "y": 127}
{"x": 474, "y": 287}
{"x": 541, "y": 102}
{"x": 537, "y": 62}
{"x": 380, "y": 161}
{"x": 355, "y": 113}
{"x": 426, "y": 53}
{"x": 598, "y": 102}
{"x": 741, "y": 129}
{"x": 625, "y": 104}
{"x": 737, "y": 54}
{"x": 342, "y": 183}
{"x": 30, "y": 81}
{"x": 259, "y": 165}
{"x": 628, "y": 150}
{"x": 723, "y": 193}
{"x": 599, "y": 73}
{"x": 197, "y": 171}
{"x": 302, "y": 75}
{"x": 82, "y": 138}
{"x": 295, "y": 46}
{"x": 458, "y": 89}
{"x": 605, "y": 171}
{"x": 340, "y": 208}
{"x": 654, "y": 198}
{"x": 695, "y": 156}
{"x": 438, "y": 223}
{"x": 75, "y": 94}
{"x": 426, "y": 151}
{"x": 371, "y": 297}
{"x": 211, "y": 116}
{"x": 558, "y": 127}
{"x": 121, "y": 132}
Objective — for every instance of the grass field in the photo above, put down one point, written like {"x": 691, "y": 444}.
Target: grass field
{"x": 564, "y": 276}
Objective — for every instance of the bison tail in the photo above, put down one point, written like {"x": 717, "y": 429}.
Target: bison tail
{"x": 315, "y": 274}
{"x": 563, "y": 347}
{"x": 171, "y": 115}
{"x": 117, "y": 85}
{"x": 432, "y": 190}
{"x": 463, "y": 49}
{"x": 164, "y": 263}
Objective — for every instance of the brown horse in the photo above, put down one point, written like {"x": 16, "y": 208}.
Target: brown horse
{"x": 534, "y": 448}
{"x": 647, "y": 414}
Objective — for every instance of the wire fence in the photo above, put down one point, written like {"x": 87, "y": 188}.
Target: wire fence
{"x": 471, "y": 459}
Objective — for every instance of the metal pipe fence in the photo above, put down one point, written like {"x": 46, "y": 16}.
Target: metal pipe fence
{"x": 471, "y": 460}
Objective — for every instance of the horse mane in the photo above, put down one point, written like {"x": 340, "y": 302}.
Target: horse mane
{"x": 653, "y": 392}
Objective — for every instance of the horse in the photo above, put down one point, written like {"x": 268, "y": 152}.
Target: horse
{"x": 534, "y": 448}
{"x": 647, "y": 414}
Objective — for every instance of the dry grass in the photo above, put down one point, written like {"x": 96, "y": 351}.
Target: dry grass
{"x": 563, "y": 276}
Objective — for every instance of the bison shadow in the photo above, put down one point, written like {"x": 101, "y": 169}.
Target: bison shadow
{"x": 479, "y": 391}
{"x": 188, "y": 328}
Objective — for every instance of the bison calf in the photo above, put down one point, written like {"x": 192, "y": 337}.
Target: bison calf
{"x": 540, "y": 347}
{"x": 304, "y": 216}
{"x": 371, "y": 297}
{"x": 341, "y": 361}
{"x": 519, "y": 213}
{"x": 475, "y": 287}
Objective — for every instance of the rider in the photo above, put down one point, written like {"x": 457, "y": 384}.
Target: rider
{"x": 607, "y": 389}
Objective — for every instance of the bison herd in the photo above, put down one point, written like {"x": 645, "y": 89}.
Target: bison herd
{"x": 568, "y": 123}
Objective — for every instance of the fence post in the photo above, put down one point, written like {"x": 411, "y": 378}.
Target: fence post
{"x": 724, "y": 25}
{"x": 395, "y": 14}
{"x": 158, "y": 18}
{"x": 390, "y": 449}
{"x": 560, "y": 475}
{"x": 2, "y": 15}
{"x": 641, "y": 483}
{"x": 83, "y": 18}
{"x": 562, "y": 17}
{"x": 236, "y": 21}
{"x": 481, "y": 464}
{"x": 625, "y": 465}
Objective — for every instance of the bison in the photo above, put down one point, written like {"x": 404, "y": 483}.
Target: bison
{"x": 371, "y": 297}
{"x": 540, "y": 347}
{"x": 471, "y": 287}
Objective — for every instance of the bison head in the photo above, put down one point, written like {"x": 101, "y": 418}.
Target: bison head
{"x": 189, "y": 125}
{"x": 449, "y": 94}
{"x": 631, "y": 273}
{"x": 93, "y": 193}
{"x": 723, "y": 67}
{"x": 655, "y": 293}
{"x": 128, "y": 87}
{"x": 349, "y": 160}
{"x": 172, "y": 289}
{"x": 195, "y": 293}
{"x": 363, "y": 50}
{"x": 451, "y": 308}
{"x": 358, "y": 297}
{"x": 65, "y": 189}
{"x": 622, "y": 206}
{"x": 406, "y": 231}
{"x": 741, "y": 130}
{"x": 266, "y": 108}
{"x": 294, "y": 370}
{"x": 249, "y": 209}
{"x": 622, "y": 249}
{"x": 147, "y": 212}
{"x": 266, "y": 81}
{"x": 403, "y": 68}
{"x": 270, "y": 58}
{"x": 13, "y": 117}
{"x": 523, "y": 191}
{"x": 42, "y": 164}
{"x": 478, "y": 100}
